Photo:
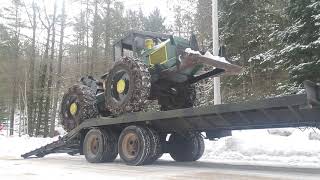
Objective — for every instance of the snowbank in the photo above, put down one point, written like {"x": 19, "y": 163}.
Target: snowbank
{"x": 15, "y": 146}
{"x": 259, "y": 146}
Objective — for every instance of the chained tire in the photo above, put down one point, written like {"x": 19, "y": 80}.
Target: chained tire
{"x": 127, "y": 86}
{"x": 135, "y": 145}
{"x": 78, "y": 104}
{"x": 187, "y": 147}
{"x": 100, "y": 145}
{"x": 185, "y": 98}
{"x": 156, "y": 150}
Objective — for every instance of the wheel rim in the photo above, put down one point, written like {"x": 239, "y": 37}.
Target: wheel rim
{"x": 94, "y": 144}
{"x": 120, "y": 86}
{"x": 73, "y": 109}
{"x": 130, "y": 146}
{"x": 70, "y": 107}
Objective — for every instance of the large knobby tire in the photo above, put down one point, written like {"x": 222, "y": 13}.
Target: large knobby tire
{"x": 127, "y": 86}
{"x": 187, "y": 147}
{"x": 156, "y": 150}
{"x": 78, "y": 104}
{"x": 134, "y": 145}
{"x": 185, "y": 98}
{"x": 100, "y": 145}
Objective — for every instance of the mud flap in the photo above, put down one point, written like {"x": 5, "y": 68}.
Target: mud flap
{"x": 313, "y": 92}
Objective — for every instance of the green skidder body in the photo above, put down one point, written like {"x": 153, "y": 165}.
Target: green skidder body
{"x": 166, "y": 55}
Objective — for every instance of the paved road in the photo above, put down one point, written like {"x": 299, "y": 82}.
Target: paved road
{"x": 74, "y": 168}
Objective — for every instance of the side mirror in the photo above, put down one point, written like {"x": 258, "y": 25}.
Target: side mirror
{"x": 193, "y": 42}
{"x": 172, "y": 40}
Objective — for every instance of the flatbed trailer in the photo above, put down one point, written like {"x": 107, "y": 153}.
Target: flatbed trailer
{"x": 215, "y": 121}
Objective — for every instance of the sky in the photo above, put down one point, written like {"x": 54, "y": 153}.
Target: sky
{"x": 72, "y": 9}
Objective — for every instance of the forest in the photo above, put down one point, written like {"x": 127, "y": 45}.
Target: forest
{"x": 45, "y": 48}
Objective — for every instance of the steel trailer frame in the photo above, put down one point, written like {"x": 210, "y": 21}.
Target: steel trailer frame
{"x": 217, "y": 121}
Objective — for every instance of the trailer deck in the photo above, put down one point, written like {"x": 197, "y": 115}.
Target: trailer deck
{"x": 301, "y": 110}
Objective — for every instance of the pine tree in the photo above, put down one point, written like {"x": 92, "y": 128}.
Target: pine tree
{"x": 301, "y": 53}
{"x": 155, "y": 22}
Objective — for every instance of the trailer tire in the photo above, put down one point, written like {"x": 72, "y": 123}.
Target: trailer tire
{"x": 134, "y": 145}
{"x": 187, "y": 147}
{"x": 111, "y": 145}
{"x": 99, "y": 146}
{"x": 156, "y": 146}
{"x": 201, "y": 147}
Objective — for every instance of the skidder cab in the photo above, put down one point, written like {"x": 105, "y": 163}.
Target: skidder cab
{"x": 147, "y": 66}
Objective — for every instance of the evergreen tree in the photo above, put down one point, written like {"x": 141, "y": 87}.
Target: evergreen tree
{"x": 135, "y": 19}
{"x": 301, "y": 53}
{"x": 155, "y": 22}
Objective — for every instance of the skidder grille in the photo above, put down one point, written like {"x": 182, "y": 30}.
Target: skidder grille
{"x": 159, "y": 56}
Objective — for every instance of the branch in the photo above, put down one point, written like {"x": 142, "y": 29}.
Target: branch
{"x": 29, "y": 17}
{"x": 41, "y": 19}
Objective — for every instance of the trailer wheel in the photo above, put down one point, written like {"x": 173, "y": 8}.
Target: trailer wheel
{"x": 99, "y": 146}
{"x": 187, "y": 147}
{"x": 134, "y": 145}
{"x": 111, "y": 145}
{"x": 156, "y": 146}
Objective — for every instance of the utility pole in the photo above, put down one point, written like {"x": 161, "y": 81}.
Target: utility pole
{"x": 215, "y": 47}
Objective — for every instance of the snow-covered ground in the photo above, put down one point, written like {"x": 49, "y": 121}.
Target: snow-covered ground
{"x": 293, "y": 148}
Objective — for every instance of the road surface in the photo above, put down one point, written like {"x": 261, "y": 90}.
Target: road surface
{"x": 58, "y": 167}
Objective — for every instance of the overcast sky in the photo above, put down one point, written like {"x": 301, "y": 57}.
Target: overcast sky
{"x": 72, "y": 9}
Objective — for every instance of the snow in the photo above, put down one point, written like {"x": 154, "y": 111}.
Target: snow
{"x": 207, "y": 55}
{"x": 15, "y": 146}
{"x": 217, "y": 58}
{"x": 255, "y": 146}
{"x": 190, "y": 51}
{"x": 250, "y": 146}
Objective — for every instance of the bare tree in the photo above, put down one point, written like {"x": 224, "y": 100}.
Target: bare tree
{"x": 50, "y": 78}
{"x": 33, "y": 23}
{"x": 59, "y": 73}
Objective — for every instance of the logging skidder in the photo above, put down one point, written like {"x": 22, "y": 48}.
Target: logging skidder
{"x": 147, "y": 66}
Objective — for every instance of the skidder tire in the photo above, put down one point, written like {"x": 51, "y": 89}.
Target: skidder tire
{"x": 187, "y": 147}
{"x": 78, "y": 104}
{"x": 127, "y": 86}
{"x": 156, "y": 146}
{"x": 134, "y": 145}
{"x": 99, "y": 146}
{"x": 185, "y": 98}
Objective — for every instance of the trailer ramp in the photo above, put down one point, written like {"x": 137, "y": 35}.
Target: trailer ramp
{"x": 66, "y": 144}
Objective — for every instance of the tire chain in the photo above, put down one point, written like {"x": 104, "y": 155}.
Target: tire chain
{"x": 141, "y": 91}
{"x": 88, "y": 107}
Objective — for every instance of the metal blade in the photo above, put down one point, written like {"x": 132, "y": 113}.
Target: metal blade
{"x": 230, "y": 69}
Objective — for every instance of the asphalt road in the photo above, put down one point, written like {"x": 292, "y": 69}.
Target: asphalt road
{"x": 65, "y": 167}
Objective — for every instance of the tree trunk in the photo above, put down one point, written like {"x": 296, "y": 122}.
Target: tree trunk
{"x": 59, "y": 74}
{"x": 44, "y": 89}
{"x": 87, "y": 38}
{"x": 94, "y": 38}
{"x": 31, "y": 73}
{"x": 13, "y": 106}
{"x": 107, "y": 35}
{"x": 50, "y": 80}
